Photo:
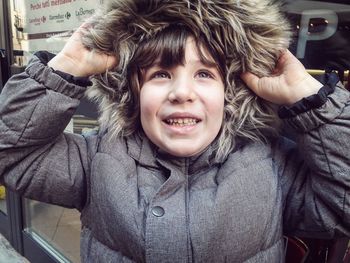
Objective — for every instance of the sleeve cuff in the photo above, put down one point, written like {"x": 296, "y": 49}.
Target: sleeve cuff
{"x": 334, "y": 106}
{"x": 311, "y": 102}
{"x": 44, "y": 75}
{"x": 45, "y": 57}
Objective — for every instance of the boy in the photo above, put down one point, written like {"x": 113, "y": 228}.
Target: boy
{"x": 186, "y": 165}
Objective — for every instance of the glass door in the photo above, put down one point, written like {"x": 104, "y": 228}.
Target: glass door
{"x": 55, "y": 228}
{"x": 39, "y": 231}
{"x": 46, "y": 25}
{"x": 4, "y": 75}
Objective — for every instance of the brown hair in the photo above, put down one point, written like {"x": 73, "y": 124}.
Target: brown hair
{"x": 168, "y": 48}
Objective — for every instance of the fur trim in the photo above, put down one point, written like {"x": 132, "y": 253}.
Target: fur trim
{"x": 250, "y": 33}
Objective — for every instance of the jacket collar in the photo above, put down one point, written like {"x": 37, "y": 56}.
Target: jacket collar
{"x": 141, "y": 149}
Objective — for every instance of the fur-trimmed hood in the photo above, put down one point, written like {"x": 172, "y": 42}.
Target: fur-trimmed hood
{"x": 251, "y": 33}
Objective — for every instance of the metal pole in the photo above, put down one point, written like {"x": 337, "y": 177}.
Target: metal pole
{"x": 6, "y": 54}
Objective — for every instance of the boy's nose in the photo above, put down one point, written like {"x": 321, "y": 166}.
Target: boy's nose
{"x": 182, "y": 91}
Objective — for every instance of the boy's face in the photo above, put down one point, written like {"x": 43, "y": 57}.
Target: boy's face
{"x": 182, "y": 107}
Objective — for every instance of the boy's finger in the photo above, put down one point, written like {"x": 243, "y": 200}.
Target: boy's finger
{"x": 251, "y": 80}
{"x": 85, "y": 25}
{"x": 111, "y": 62}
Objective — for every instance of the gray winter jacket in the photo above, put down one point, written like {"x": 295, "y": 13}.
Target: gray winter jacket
{"x": 139, "y": 205}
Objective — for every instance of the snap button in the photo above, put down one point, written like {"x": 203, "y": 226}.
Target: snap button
{"x": 158, "y": 211}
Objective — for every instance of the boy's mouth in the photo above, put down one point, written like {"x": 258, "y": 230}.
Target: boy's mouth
{"x": 181, "y": 121}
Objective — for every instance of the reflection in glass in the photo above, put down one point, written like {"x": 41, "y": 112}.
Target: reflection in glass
{"x": 57, "y": 228}
{"x": 54, "y": 227}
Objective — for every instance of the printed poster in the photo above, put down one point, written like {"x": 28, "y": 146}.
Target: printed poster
{"x": 49, "y": 23}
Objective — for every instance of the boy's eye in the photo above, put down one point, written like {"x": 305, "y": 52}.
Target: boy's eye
{"x": 204, "y": 74}
{"x": 160, "y": 75}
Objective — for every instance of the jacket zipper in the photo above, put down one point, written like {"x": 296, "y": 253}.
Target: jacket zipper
{"x": 187, "y": 199}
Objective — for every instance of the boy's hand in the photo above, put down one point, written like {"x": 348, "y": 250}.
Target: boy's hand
{"x": 78, "y": 61}
{"x": 289, "y": 84}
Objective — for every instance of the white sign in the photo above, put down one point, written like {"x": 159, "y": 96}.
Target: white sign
{"x": 48, "y": 23}
{"x": 304, "y": 35}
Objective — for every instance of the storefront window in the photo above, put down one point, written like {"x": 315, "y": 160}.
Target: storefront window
{"x": 46, "y": 25}
{"x": 55, "y": 228}
{"x": 322, "y": 33}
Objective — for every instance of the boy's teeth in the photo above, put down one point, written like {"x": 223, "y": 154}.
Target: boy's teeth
{"x": 182, "y": 121}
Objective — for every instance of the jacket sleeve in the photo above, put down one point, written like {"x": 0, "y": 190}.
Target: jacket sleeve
{"x": 37, "y": 159}
{"x": 315, "y": 175}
